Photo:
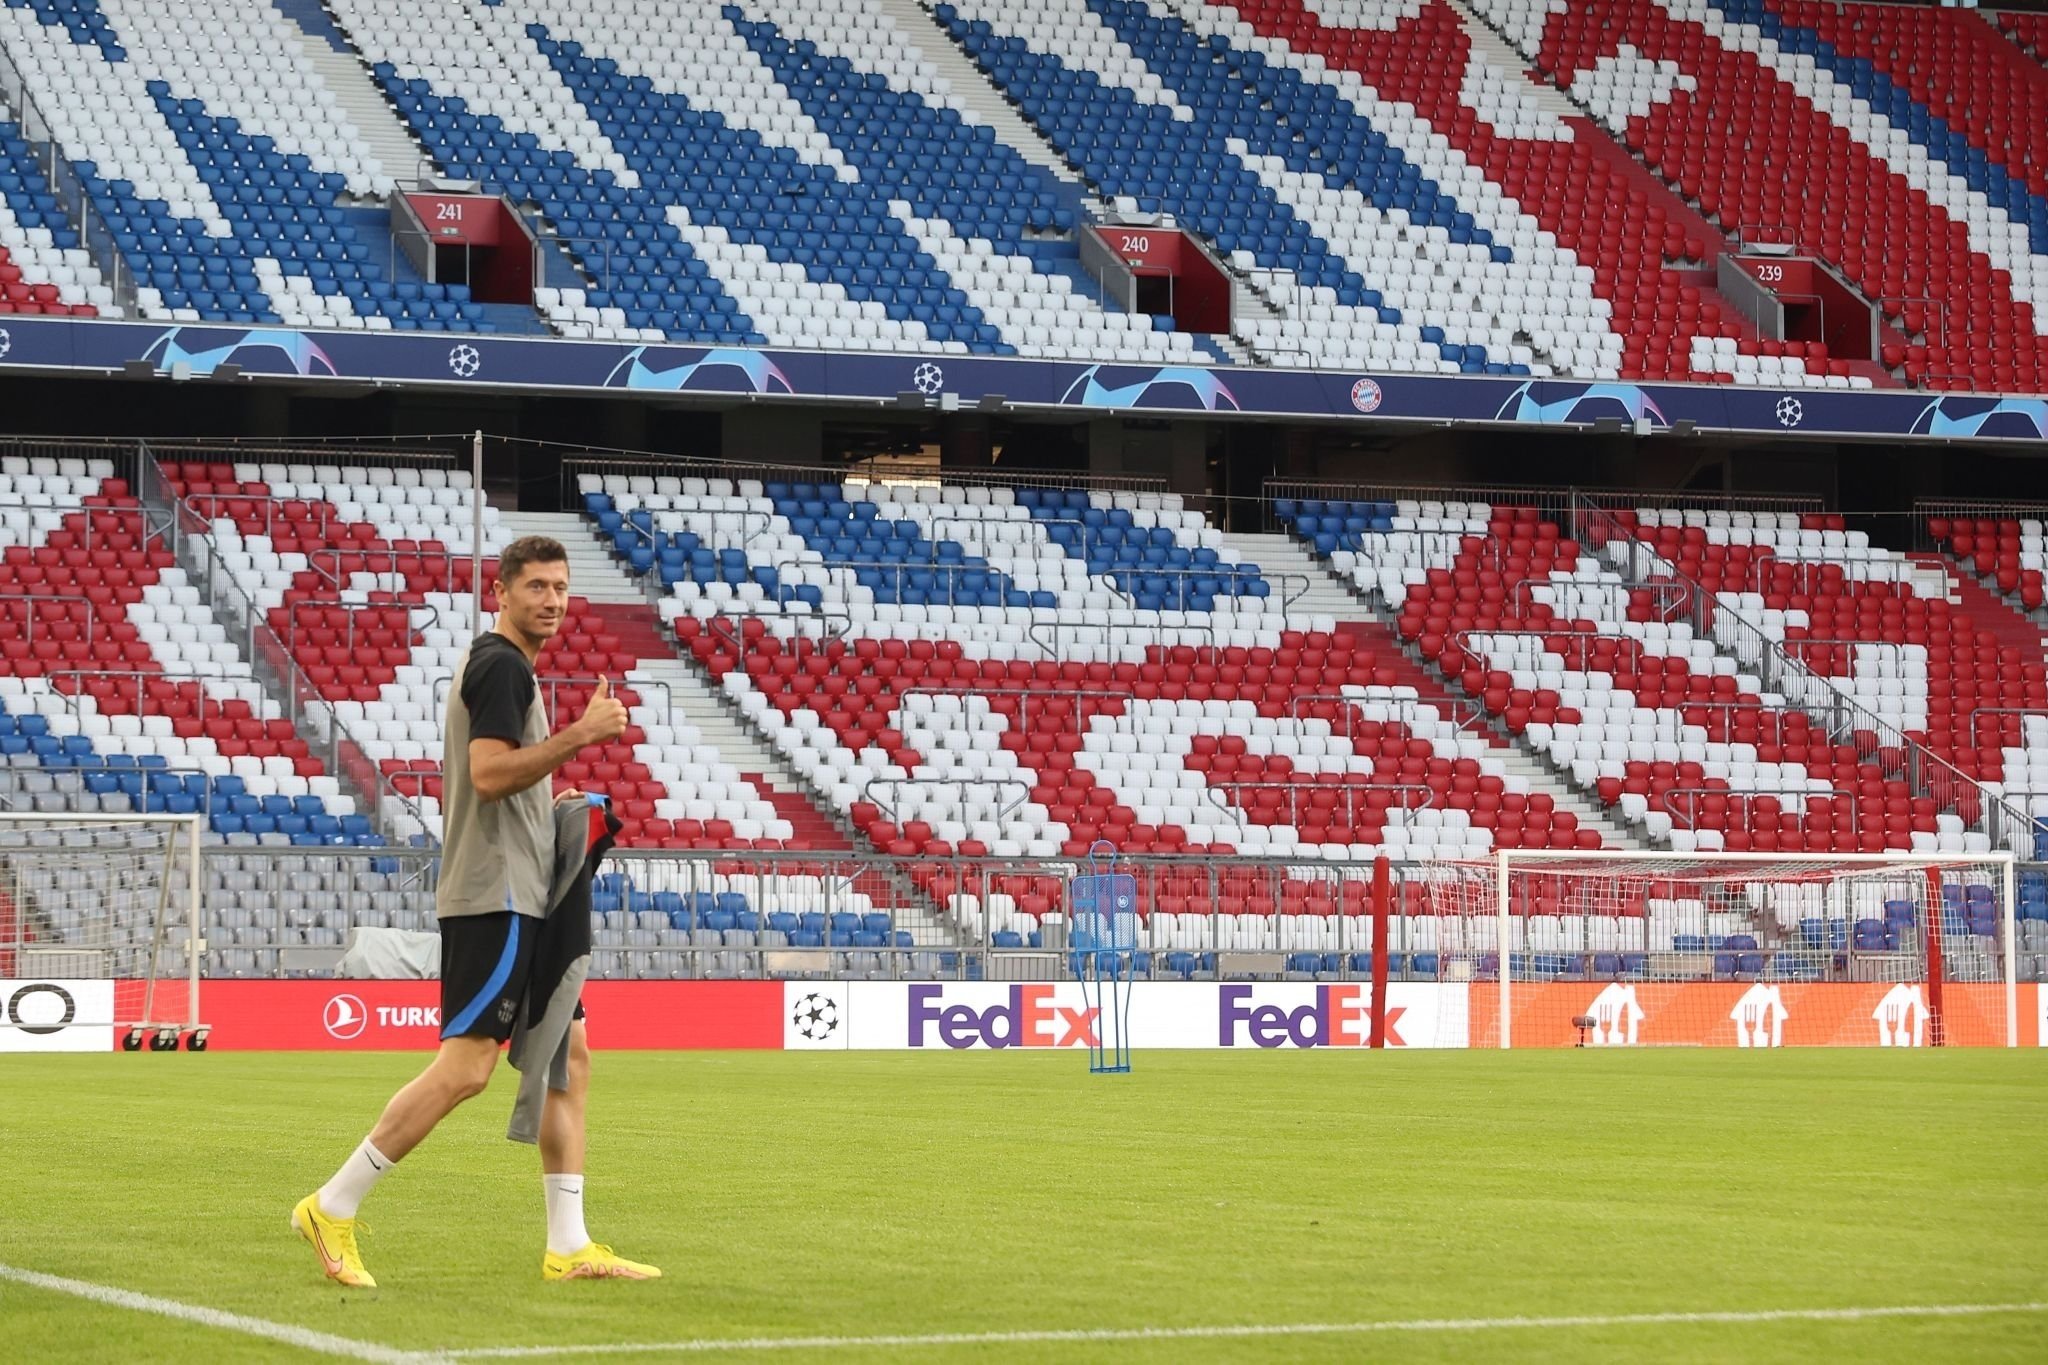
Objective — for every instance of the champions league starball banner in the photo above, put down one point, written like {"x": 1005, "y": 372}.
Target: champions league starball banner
{"x": 441, "y": 359}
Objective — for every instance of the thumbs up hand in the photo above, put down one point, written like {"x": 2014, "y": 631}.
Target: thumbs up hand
{"x": 604, "y": 719}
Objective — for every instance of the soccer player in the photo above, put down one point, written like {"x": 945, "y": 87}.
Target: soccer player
{"x": 497, "y": 855}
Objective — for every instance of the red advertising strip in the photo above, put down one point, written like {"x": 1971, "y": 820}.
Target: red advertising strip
{"x": 943, "y": 1016}
{"x": 374, "y": 1016}
{"x": 1750, "y": 1014}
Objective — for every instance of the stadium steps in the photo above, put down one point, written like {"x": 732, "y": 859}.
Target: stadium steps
{"x": 971, "y": 87}
{"x": 593, "y": 574}
{"x": 1986, "y": 608}
{"x": 314, "y": 21}
{"x": 699, "y": 703}
{"x": 1277, "y": 553}
{"x": 1501, "y": 55}
{"x": 386, "y": 138}
{"x": 195, "y": 555}
{"x": 1964, "y": 581}
{"x": 1615, "y": 832}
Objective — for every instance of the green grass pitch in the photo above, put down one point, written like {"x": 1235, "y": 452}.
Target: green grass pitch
{"x": 848, "y": 1196}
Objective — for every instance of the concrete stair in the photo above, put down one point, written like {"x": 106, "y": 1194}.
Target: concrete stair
{"x": 2038, "y": 618}
{"x": 1986, "y": 608}
{"x": 1303, "y": 582}
{"x": 398, "y": 154}
{"x": 1615, "y": 831}
{"x": 1501, "y": 55}
{"x": 917, "y": 23}
{"x": 593, "y": 573}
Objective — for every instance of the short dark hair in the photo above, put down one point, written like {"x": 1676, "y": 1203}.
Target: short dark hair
{"x": 514, "y": 558}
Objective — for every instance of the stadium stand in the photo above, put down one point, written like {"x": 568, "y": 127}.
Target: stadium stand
{"x": 1779, "y": 725}
{"x": 43, "y": 269}
{"x": 223, "y": 184}
{"x": 1566, "y": 175}
{"x": 1429, "y": 207}
{"x": 120, "y": 691}
{"x": 1901, "y": 203}
{"x": 1186, "y": 709}
{"x": 2029, "y": 31}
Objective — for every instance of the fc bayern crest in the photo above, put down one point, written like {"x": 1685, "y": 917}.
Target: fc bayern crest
{"x": 1366, "y": 395}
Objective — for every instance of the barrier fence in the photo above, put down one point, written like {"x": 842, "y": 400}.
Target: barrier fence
{"x": 679, "y": 915}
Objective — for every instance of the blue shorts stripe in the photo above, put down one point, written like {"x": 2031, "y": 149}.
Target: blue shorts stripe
{"x": 463, "y": 1021}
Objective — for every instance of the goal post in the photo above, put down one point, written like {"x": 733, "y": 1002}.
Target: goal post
{"x": 100, "y": 931}
{"x": 1619, "y": 947}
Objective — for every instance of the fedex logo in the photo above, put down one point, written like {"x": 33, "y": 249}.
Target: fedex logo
{"x": 1027, "y": 1017}
{"x": 1337, "y": 1017}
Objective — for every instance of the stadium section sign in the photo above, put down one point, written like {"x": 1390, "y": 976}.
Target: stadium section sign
{"x": 522, "y": 363}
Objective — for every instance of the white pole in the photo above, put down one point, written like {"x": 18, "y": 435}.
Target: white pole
{"x": 192, "y": 882}
{"x": 2012, "y": 987}
{"x": 1504, "y": 929}
{"x": 476, "y": 534}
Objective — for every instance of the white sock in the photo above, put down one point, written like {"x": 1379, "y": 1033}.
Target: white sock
{"x": 343, "y": 1195}
{"x": 566, "y": 1233}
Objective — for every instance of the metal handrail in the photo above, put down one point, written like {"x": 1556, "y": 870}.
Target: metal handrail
{"x": 1461, "y": 641}
{"x": 64, "y": 182}
{"x": 874, "y": 786}
{"x": 595, "y": 460}
{"x": 1466, "y": 713}
{"x": 1112, "y": 633}
{"x": 1355, "y": 797}
{"x": 552, "y": 684}
{"x": 1690, "y": 817}
{"x": 67, "y": 600}
{"x": 723, "y": 627}
{"x": 1714, "y": 618}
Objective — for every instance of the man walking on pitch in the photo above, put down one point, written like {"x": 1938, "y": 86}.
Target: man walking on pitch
{"x": 497, "y": 857}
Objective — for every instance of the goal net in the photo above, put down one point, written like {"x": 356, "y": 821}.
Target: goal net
{"x": 1619, "y": 948}
{"x": 99, "y": 930}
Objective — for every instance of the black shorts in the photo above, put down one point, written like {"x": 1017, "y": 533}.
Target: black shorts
{"x": 487, "y": 974}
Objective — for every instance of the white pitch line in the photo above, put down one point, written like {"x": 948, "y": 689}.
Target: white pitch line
{"x": 305, "y": 1338}
{"x": 1299, "y": 1329}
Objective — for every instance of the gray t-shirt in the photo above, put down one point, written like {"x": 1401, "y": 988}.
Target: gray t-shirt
{"x": 495, "y": 855}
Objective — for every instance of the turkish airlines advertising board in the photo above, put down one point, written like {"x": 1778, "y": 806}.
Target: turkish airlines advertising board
{"x": 934, "y": 1016}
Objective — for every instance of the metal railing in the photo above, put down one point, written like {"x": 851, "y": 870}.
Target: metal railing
{"x": 1057, "y": 637}
{"x": 996, "y": 919}
{"x": 1342, "y": 711}
{"x": 1841, "y": 718}
{"x": 1553, "y": 500}
{"x": 551, "y": 686}
{"x": 1686, "y": 805}
{"x": 1242, "y": 800}
{"x": 63, "y": 180}
{"x": 890, "y": 796}
{"x": 731, "y": 473}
